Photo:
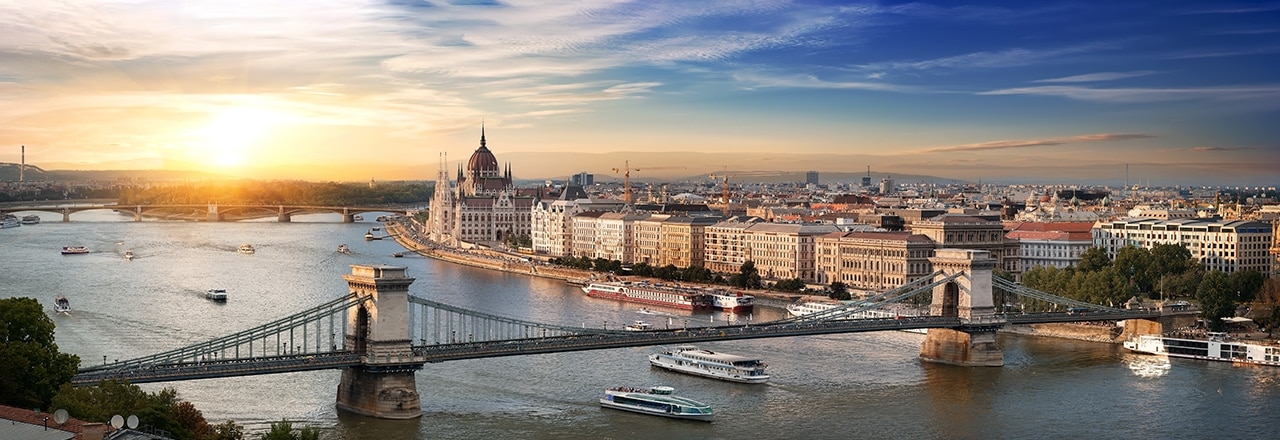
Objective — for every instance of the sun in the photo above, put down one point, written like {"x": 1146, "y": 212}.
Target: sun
{"x": 231, "y": 134}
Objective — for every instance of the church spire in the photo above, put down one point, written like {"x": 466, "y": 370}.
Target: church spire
{"x": 482, "y": 135}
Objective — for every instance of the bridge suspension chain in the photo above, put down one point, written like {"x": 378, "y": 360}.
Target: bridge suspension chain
{"x": 242, "y": 344}
{"x": 1049, "y": 297}
{"x": 875, "y": 302}
{"x": 439, "y": 323}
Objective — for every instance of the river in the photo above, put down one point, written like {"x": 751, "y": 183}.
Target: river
{"x": 841, "y": 386}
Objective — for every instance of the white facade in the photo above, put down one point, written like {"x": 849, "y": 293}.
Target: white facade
{"x": 1228, "y": 246}
{"x": 785, "y": 251}
{"x": 551, "y": 229}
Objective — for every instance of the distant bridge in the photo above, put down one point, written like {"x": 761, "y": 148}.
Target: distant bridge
{"x": 379, "y": 335}
{"x": 211, "y": 211}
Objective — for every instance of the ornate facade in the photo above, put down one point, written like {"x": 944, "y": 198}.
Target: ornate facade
{"x": 481, "y": 206}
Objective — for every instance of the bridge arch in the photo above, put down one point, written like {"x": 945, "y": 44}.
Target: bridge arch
{"x": 969, "y": 297}
{"x": 383, "y": 385}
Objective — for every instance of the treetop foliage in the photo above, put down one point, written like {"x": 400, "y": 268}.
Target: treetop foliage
{"x": 31, "y": 367}
{"x": 280, "y": 192}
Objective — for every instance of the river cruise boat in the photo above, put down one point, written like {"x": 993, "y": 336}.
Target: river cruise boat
{"x": 1216, "y": 347}
{"x": 638, "y": 326}
{"x": 657, "y": 401}
{"x": 74, "y": 250}
{"x": 61, "y": 304}
{"x": 734, "y": 302}
{"x": 30, "y": 219}
{"x": 219, "y": 295}
{"x": 10, "y": 221}
{"x": 246, "y": 249}
{"x": 896, "y": 311}
{"x": 657, "y": 294}
{"x": 706, "y": 363}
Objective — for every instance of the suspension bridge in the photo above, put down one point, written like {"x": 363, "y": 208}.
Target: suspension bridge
{"x": 379, "y": 335}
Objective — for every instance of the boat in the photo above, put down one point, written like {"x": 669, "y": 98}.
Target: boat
{"x": 128, "y": 255}
{"x": 658, "y": 401}
{"x": 897, "y": 311}
{"x": 246, "y": 249}
{"x": 343, "y": 249}
{"x": 10, "y": 221}
{"x": 376, "y": 228}
{"x": 1214, "y": 347}
{"x": 734, "y": 302}
{"x": 74, "y": 250}
{"x": 706, "y": 363}
{"x": 219, "y": 295}
{"x": 381, "y": 218}
{"x": 30, "y": 219}
{"x": 369, "y": 235}
{"x": 656, "y": 294}
{"x": 638, "y": 326}
{"x": 357, "y": 217}
{"x": 61, "y": 304}
{"x": 397, "y": 254}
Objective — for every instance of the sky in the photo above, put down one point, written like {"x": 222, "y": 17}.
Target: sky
{"x": 1049, "y": 91}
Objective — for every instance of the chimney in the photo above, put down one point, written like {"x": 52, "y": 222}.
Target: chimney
{"x": 93, "y": 431}
{"x": 22, "y": 171}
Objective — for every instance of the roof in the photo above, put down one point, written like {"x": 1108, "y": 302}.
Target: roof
{"x": 26, "y": 424}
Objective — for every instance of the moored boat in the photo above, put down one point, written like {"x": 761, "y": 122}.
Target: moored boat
{"x": 61, "y": 304}
{"x": 246, "y": 249}
{"x": 1214, "y": 347}
{"x": 74, "y": 250}
{"x": 638, "y": 326}
{"x": 30, "y": 219}
{"x": 895, "y": 311}
{"x": 658, "y": 401}
{"x": 9, "y": 221}
{"x": 734, "y": 302}
{"x": 650, "y": 293}
{"x": 691, "y": 360}
{"x": 368, "y": 236}
{"x": 219, "y": 295}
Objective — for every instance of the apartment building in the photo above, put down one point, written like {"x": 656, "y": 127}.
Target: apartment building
{"x": 726, "y": 246}
{"x": 1225, "y": 245}
{"x": 873, "y": 261}
{"x": 785, "y": 250}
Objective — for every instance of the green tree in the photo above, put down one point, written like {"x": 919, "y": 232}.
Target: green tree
{"x": 1094, "y": 259}
{"x": 227, "y": 430}
{"x": 791, "y": 285}
{"x": 1217, "y": 300}
{"x": 747, "y": 277}
{"x": 158, "y": 410}
{"x": 1246, "y": 284}
{"x": 283, "y": 430}
{"x": 1136, "y": 263}
{"x": 840, "y": 291}
{"x": 31, "y": 367}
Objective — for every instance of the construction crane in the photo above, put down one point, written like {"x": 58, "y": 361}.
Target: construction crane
{"x": 626, "y": 177}
{"x": 724, "y": 195}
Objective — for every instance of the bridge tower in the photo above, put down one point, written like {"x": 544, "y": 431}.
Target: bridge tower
{"x": 213, "y": 215}
{"x": 968, "y": 297}
{"x": 384, "y": 385}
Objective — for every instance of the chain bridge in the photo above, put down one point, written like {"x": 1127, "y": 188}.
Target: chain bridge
{"x": 211, "y": 211}
{"x": 379, "y": 335}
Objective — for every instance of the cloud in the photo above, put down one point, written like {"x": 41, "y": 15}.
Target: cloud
{"x": 1001, "y": 145}
{"x": 1207, "y": 148}
{"x": 759, "y": 79}
{"x": 1136, "y": 95}
{"x": 1093, "y": 77}
{"x": 985, "y": 60}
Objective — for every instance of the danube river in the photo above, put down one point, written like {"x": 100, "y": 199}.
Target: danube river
{"x": 843, "y": 386}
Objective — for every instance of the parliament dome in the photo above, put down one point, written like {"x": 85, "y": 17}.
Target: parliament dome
{"x": 482, "y": 162}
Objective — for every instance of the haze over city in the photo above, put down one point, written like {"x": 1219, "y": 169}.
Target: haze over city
{"x": 1182, "y": 92}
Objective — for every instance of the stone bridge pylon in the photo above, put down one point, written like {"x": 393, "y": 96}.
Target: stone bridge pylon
{"x": 968, "y": 297}
{"x": 378, "y": 330}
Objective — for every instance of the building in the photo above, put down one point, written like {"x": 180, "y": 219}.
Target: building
{"x": 811, "y": 178}
{"x": 961, "y": 231}
{"x": 886, "y": 185}
{"x": 583, "y": 236}
{"x": 647, "y": 237}
{"x": 873, "y": 261}
{"x": 726, "y": 247}
{"x": 1052, "y": 244}
{"x": 785, "y": 250}
{"x": 1226, "y": 245}
{"x": 682, "y": 242}
{"x": 481, "y": 206}
{"x": 583, "y": 179}
{"x": 551, "y": 220}
{"x": 615, "y": 236}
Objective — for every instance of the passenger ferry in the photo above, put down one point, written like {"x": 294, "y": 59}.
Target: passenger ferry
{"x": 61, "y": 305}
{"x": 10, "y": 221}
{"x": 246, "y": 249}
{"x": 74, "y": 250}
{"x": 30, "y": 219}
{"x": 638, "y": 326}
{"x": 1217, "y": 347}
{"x": 734, "y": 302}
{"x": 219, "y": 295}
{"x": 690, "y": 360}
{"x": 645, "y": 292}
{"x": 896, "y": 311}
{"x": 658, "y": 401}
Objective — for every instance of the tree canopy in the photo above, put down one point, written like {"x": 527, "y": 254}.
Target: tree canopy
{"x": 31, "y": 367}
{"x": 160, "y": 410}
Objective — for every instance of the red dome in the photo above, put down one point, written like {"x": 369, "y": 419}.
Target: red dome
{"x": 482, "y": 161}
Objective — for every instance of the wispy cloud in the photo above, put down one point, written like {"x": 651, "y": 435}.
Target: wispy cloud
{"x": 986, "y": 59}
{"x": 762, "y": 79}
{"x": 1029, "y": 143}
{"x": 1209, "y": 148}
{"x": 1141, "y": 95}
{"x": 1096, "y": 77}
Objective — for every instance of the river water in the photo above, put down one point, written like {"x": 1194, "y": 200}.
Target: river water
{"x": 842, "y": 386}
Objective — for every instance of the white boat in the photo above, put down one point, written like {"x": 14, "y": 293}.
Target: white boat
{"x": 74, "y": 250}
{"x": 357, "y": 217}
{"x": 691, "y": 360}
{"x": 219, "y": 295}
{"x": 657, "y": 294}
{"x": 246, "y": 249}
{"x": 61, "y": 304}
{"x": 896, "y": 311}
{"x": 381, "y": 218}
{"x": 10, "y": 221}
{"x": 734, "y": 302}
{"x": 658, "y": 401}
{"x": 30, "y": 219}
{"x": 343, "y": 249}
{"x": 638, "y": 326}
{"x": 1215, "y": 347}
{"x": 128, "y": 255}
{"x": 368, "y": 236}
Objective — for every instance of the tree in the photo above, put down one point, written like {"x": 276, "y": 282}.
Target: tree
{"x": 283, "y": 430}
{"x": 31, "y": 367}
{"x": 747, "y": 277}
{"x": 1246, "y": 284}
{"x": 840, "y": 291}
{"x": 1094, "y": 259}
{"x": 1136, "y": 263}
{"x": 158, "y": 410}
{"x": 791, "y": 285}
{"x": 1217, "y": 300}
{"x": 227, "y": 430}
{"x": 1270, "y": 292}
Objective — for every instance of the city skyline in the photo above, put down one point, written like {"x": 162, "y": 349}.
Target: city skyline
{"x": 1185, "y": 93}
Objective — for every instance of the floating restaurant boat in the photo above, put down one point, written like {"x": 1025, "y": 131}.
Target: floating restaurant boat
{"x": 734, "y": 302}
{"x": 1215, "y": 347}
{"x": 691, "y": 360}
{"x": 246, "y": 249}
{"x": 61, "y": 304}
{"x": 897, "y": 311}
{"x": 651, "y": 293}
{"x": 30, "y": 219}
{"x": 74, "y": 250}
{"x": 658, "y": 401}
{"x": 638, "y": 326}
{"x": 219, "y": 295}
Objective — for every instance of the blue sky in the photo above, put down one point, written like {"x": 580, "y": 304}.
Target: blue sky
{"x": 1184, "y": 92}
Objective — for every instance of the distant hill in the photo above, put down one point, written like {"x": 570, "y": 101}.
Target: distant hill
{"x": 9, "y": 172}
